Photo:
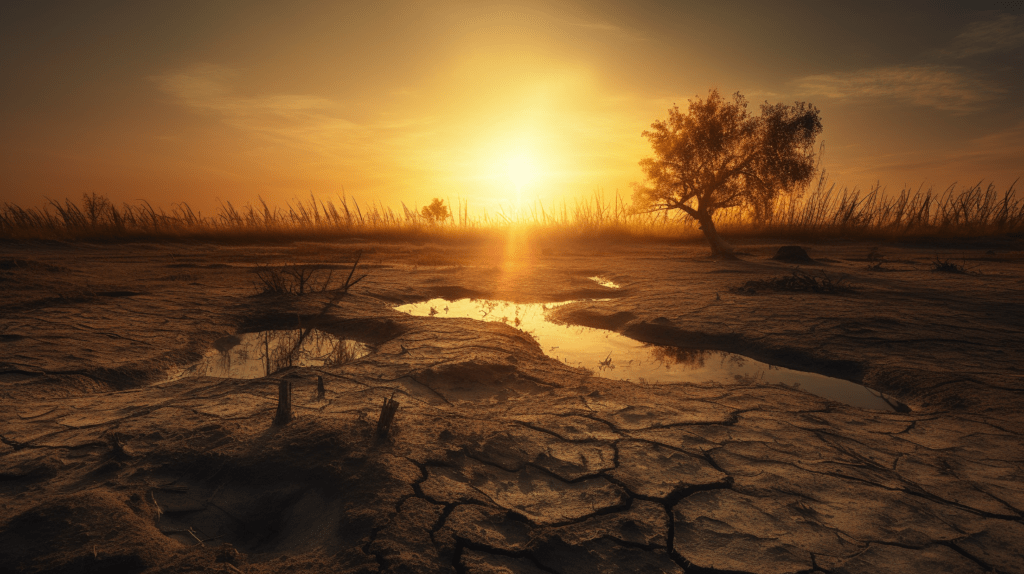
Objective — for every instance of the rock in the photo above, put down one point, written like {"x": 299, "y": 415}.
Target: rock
{"x": 792, "y": 254}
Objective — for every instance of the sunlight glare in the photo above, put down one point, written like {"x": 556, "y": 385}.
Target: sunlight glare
{"x": 521, "y": 169}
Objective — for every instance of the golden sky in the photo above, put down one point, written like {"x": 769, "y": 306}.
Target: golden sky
{"x": 213, "y": 101}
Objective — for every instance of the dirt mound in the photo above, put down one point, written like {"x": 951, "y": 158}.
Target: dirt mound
{"x": 792, "y": 254}
{"x": 480, "y": 382}
{"x": 610, "y": 322}
{"x": 58, "y": 536}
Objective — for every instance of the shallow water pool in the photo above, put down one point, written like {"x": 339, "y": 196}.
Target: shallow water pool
{"x": 254, "y": 355}
{"x": 616, "y": 356}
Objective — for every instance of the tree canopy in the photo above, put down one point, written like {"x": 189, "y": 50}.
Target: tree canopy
{"x": 436, "y": 212}
{"x": 718, "y": 155}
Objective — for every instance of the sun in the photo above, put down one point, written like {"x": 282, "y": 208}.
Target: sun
{"x": 512, "y": 170}
{"x": 522, "y": 170}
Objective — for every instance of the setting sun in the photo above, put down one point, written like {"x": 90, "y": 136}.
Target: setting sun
{"x": 514, "y": 170}
{"x": 522, "y": 170}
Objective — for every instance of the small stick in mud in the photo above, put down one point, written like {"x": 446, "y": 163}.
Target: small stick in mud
{"x": 321, "y": 391}
{"x": 387, "y": 416}
{"x": 156, "y": 505}
{"x": 284, "y": 403}
{"x": 117, "y": 446}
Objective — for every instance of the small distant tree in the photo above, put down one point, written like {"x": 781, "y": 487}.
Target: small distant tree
{"x": 717, "y": 156}
{"x": 436, "y": 212}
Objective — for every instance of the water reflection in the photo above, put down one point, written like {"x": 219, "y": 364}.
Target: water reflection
{"x": 254, "y": 355}
{"x": 612, "y": 355}
{"x": 693, "y": 358}
{"x": 604, "y": 282}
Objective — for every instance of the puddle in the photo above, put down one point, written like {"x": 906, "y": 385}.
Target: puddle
{"x": 616, "y": 356}
{"x": 604, "y": 282}
{"x": 254, "y": 355}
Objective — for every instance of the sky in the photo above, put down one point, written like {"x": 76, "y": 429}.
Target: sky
{"x": 494, "y": 103}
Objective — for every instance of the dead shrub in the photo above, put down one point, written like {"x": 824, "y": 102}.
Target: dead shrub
{"x": 948, "y": 266}
{"x": 294, "y": 279}
{"x": 876, "y": 260}
{"x": 298, "y": 279}
{"x": 798, "y": 281}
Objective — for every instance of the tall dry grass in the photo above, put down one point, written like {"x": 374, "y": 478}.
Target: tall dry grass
{"x": 96, "y": 218}
{"x": 821, "y": 213}
{"x": 969, "y": 211}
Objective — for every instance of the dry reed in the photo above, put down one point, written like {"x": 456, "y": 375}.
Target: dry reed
{"x": 822, "y": 213}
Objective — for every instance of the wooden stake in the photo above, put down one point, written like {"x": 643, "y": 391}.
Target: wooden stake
{"x": 387, "y": 416}
{"x": 284, "y": 403}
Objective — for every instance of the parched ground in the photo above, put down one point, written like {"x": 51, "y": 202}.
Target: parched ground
{"x": 502, "y": 459}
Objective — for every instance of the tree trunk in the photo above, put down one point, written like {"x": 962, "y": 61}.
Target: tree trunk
{"x": 719, "y": 247}
{"x": 387, "y": 416}
{"x": 284, "y": 403}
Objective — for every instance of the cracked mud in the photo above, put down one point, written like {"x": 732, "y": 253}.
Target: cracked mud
{"x": 502, "y": 458}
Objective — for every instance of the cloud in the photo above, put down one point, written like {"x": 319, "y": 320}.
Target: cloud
{"x": 608, "y": 29}
{"x": 207, "y": 88}
{"x": 303, "y": 122}
{"x": 600, "y": 27}
{"x": 1001, "y": 34}
{"x": 940, "y": 87}
{"x": 995, "y": 156}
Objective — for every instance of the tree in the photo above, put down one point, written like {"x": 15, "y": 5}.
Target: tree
{"x": 436, "y": 212}
{"x": 718, "y": 156}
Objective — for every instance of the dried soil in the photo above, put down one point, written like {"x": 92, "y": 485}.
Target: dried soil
{"x": 502, "y": 459}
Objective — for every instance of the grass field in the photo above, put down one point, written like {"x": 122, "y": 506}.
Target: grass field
{"x": 823, "y": 212}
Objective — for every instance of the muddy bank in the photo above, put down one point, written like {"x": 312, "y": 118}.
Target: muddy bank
{"x": 502, "y": 458}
